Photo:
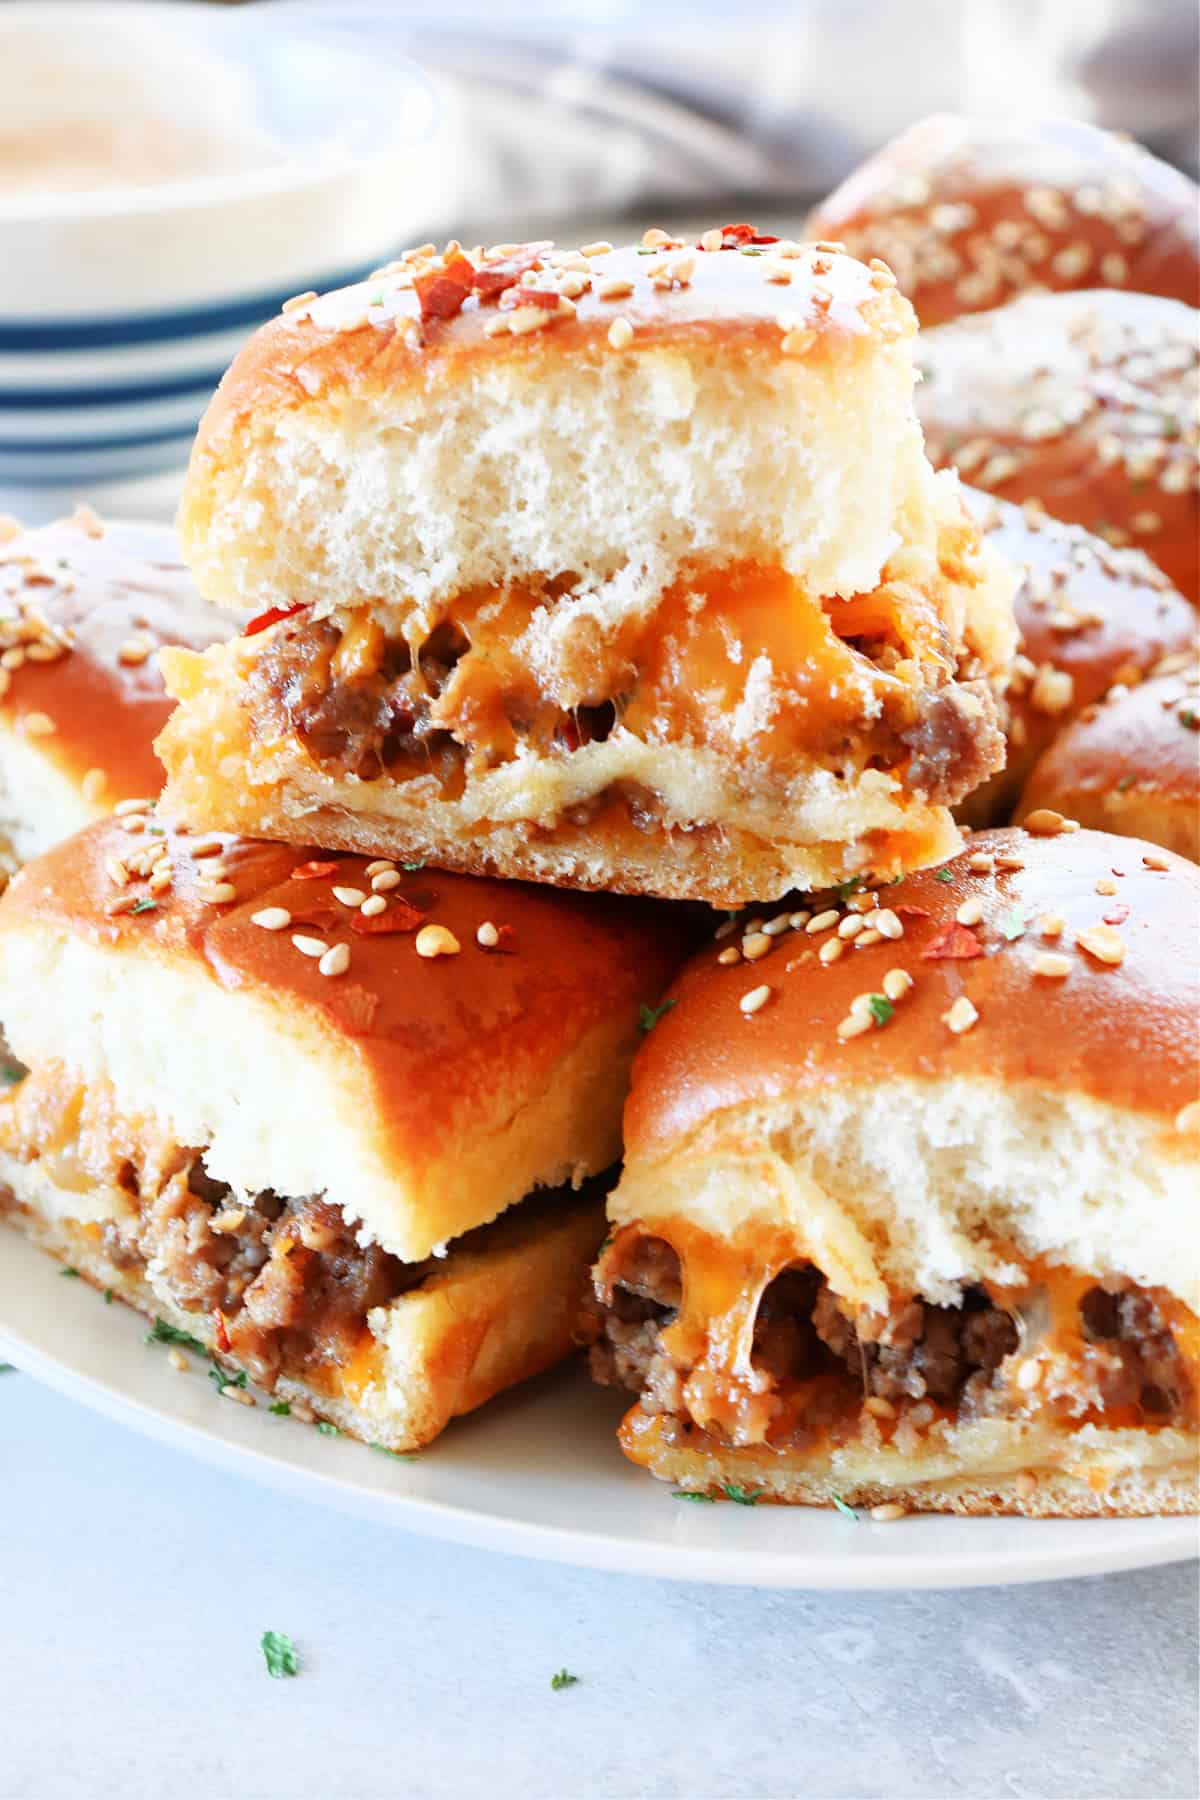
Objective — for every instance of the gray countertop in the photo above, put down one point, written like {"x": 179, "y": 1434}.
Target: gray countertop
{"x": 135, "y": 1584}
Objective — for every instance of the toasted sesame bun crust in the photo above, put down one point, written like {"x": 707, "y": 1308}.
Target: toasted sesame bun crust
{"x": 421, "y": 1095}
{"x": 487, "y": 1317}
{"x": 96, "y": 600}
{"x": 1130, "y": 765}
{"x": 1088, "y": 616}
{"x": 970, "y": 213}
{"x": 1086, "y": 402}
{"x": 1055, "y": 1118}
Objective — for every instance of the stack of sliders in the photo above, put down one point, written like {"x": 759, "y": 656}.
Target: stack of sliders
{"x": 610, "y": 570}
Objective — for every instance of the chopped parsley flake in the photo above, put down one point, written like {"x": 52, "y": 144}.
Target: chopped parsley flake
{"x": 704, "y": 1499}
{"x": 145, "y": 906}
{"x": 943, "y": 875}
{"x": 108, "y": 1296}
{"x": 170, "y": 1334}
{"x": 326, "y": 1429}
{"x": 222, "y": 1380}
{"x": 881, "y": 1008}
{"x": 563, "y": 1679}
{"x": 648, "y": 1016}
{"x": 844, "y": 889}
{"x": 742, "y": 1496}
{"x": 411, "y": 868}
{"x": 847, "y": 1512}
{"x": 8, "y": 1369}
{"x": 1012, "y": 926}
{"x": 69, "y": 1274}
{"x": 281, "y": 1408}
{"x": 396, "y": 1455}
{"x": 1187, "y": 716}
{"x": 1125, "y": 782}
{"x": 9, "y": 1076}
{"x": 280, "y": 1654}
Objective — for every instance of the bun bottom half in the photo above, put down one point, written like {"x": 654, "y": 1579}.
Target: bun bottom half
{"x": 490, "y": 1315}
{"x": 993, "y": 1467}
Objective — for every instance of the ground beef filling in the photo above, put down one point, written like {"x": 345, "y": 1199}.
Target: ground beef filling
{"x": 387, "y": 715}
{"x": 925, "y": 1361}
{"x": 285, "y": 1282}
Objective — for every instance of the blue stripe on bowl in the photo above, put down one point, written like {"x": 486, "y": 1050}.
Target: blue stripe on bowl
{"x": 98, "y": 446}
{"x": 154, "y": 327}
{"x": 37, "y": 399}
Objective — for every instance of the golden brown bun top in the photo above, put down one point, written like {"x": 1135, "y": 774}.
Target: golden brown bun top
{"x": 1121, "y": 1033}
{"x": 428, "y": 1032}
{"x": 1085, "y": 402}
{"x": 89, "y": 603}
{"x": 972, "y": 212}
{"x": 1145, "y": 742}
{"x": 1100, "y": 614}
{"x": 431, "y": 315}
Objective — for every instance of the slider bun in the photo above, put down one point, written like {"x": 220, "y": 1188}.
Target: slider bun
{"x": 356, "y": 453}
{"x": 98, "y": 598}
{"x": 1088, "y": 615}
{"x": 972, "y": 212}
{"x": 914, "y": 1159}
{"x": 1086, "y": 402}
{"x": 500, "y": 1308}
{"x": 422, "y": 1097}
{"x": 1130, "y": 765}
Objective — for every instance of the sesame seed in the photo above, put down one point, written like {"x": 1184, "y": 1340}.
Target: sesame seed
{"x": 798, "y": 342}
{"x": 887, "y": 923}
{"x": 124, "y": 808}
{"x": 1051, "y": 965}
{"x": 497, "y": 326}
{"x": 866, "y": 938}
{"x": 961, "y": 1016}
{"x": 372, "y": 906}
{"x": 757, "y": 945}
{"x": 1106, "y": 886}
{"x": 1045, "y": 822}
{"x": 385, "y": 881}
{"x": 822, "y": 921}
{"x": 123, "y": 903}
{"x": 831, "y": 949}
{"x": 620, "y": 334}
{"x": 850, "y": 926}
{"x": 1103, "y": 942}
{"x": 798, "y": 920}
{"x": 134, "y": 651}
{"x": 777, "y": 926}
{"x": 1029, "y": 1375}
{"x": 881, "y": 1408}
{"x": 298, "y": 300}
{"x": 599, "y": 248}
{"x": 888, "y": 1511}
{"x": 39, "y": 724}
{"x": 116, "y": 871}
{"x": 1053, "y": 690}
{"x": 728, "y": 957}
{"x": 227, "y": 1222}
{"x": 160, "y": 881}
{"x": 272, "y": 918}
{"x": 309, "y": 946}
{"x": 970, "y": 912}
{"x": 335, "y": 961}
{"x": 93, "y": 784}
{"x": 712, "y": 240}
{"x": 1008, "y": 861}
{"x": 854, "y": 1025}
{"x": 755, "y": 1000}
{"x": 239, "y": 1396}
{"x": 1154, "y": 861}
{"x": 178, "y": 1360}
{"x": 981, "y": 863}
{"x": 723, "y": 929}
{"x": 216, "y": 893}
{"x": 207, "y": 847}
{"x": 349, "y": 896}
{"x": 435, "y": 940}
{"x": 897, "y": 983}
{"x": 613, "y": 287}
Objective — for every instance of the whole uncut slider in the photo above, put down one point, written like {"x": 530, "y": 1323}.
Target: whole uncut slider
{"x": 608, "y": 568}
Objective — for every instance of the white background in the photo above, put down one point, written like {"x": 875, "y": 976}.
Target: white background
{"x": 135, "y": 1584}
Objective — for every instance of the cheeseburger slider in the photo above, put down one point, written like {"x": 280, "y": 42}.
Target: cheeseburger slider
{"x": 609, "y": 568}
{"x": 970, "y": 213}
{"x": 84, "y": 607}
{"x": 908, "y": 1211}
{"x": 1131, "y": 763}
{"x": 290, "y": 1106}
{"x": 1090, "y": 617}
{"x": 1085, "y": 402}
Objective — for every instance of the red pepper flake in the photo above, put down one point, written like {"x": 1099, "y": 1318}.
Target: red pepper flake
{"x": 313, "y": 871}
{"x": 953, "y": 943}
{"x": 505, "y": 944}
{"x": 441, "y": 293}
{"x": 264, "y": 620}
{"x": 398, "y": 918}
{"x": 545, "y": 298}
{"x": 909, "y": 911}
{"x": 496, "y": 277}
{"x": 219, "y": 1331}
{"x": 1118, "y": 914}
{"x": 734, "y": 236}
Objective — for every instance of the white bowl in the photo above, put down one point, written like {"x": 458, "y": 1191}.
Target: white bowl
{"x": 121, "y": 305}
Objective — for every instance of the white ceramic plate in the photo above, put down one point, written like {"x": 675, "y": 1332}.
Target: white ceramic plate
{"x": 537, "y": 1472}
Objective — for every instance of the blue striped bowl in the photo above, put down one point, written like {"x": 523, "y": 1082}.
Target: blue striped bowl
{"x": 120, "y": 307}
